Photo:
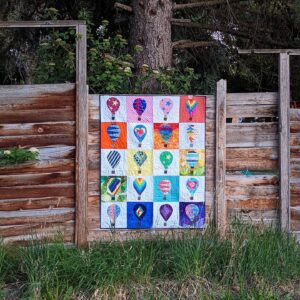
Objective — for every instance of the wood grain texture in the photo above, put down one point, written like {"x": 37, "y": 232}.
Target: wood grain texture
{"x": 221, "y": 214}
{"x": 284, "y": 121}
{"x": 82, "y": 138}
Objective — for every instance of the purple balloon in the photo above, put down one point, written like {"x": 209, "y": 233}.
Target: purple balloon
{"x": 166, "y": 211}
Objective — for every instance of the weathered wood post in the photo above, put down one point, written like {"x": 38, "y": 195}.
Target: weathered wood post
{"x": 284, "y": 128}
{"x": 81, "y": 138}
{"x": 221, "y": 208}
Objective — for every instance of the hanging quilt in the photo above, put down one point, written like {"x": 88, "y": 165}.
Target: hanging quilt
{"x": 152, "y": 162}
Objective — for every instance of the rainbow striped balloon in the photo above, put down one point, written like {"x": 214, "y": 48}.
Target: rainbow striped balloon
{"x": 191, "y": 106}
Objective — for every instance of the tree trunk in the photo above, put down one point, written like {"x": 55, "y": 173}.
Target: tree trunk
{"x": 151, "y": 29}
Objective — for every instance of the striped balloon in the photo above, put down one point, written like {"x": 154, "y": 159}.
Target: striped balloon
{"x": 113, "y": 132}
{"x": 113, "y": 186}
{"x": 113, "y": 158}
{"x": 192, "y": 158}
{"x": 165, "y": 187}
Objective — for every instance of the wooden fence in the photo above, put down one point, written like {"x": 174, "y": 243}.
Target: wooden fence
{"x": 242, "y": 163}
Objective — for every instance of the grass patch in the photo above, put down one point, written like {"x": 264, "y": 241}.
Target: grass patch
{"x": 251, "y": 263}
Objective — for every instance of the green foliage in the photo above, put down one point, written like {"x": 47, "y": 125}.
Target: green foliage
{"x": 110, "y": 64}
{"x": 16, "y": 155}
{"x": 251, "y": 263}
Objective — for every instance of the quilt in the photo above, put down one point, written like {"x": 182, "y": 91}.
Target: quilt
{"x": 152, "y": 161}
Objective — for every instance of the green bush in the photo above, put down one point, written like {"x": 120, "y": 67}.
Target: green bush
{"x": 16, "y": 155}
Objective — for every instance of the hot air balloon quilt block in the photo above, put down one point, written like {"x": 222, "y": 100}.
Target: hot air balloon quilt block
{"x": 166, "y": 162}
{"x": 140, "y": 188}
{"x": 139, "y": 215}
{"x": 192, "y": 109}
{"x": 192, "y": 162}
{"x": 139, "y": 162}
{"x": 113, "y": 135}
{"x": 166, "y": 188}
{"x": 191, "y": 214}
{"x": 115, "y": 109}
{"x": 152, "y": 161}
{"x": 166, "y": 109}
{"x": 166, "y": 136}
{"x": 139, "y": 109}
{"x": 165, "y": 215}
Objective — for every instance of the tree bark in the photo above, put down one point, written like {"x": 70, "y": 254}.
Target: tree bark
{"x": 151, "y": 29}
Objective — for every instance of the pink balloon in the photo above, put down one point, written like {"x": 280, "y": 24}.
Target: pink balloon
{"x": 166, "y": 105}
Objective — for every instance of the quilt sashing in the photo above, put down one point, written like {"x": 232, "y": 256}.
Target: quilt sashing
{"x": 152, "y": 161}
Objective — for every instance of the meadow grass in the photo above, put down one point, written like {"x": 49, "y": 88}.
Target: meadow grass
{"x": 250, "y": 263}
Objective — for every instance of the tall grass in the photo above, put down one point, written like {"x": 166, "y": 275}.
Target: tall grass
{"x": 251, "y": 263}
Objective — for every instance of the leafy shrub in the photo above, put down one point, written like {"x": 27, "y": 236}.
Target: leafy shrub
{"x": 16, "y": 155}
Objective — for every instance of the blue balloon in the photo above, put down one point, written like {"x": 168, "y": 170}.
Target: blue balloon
{"x": 113, "y": 132}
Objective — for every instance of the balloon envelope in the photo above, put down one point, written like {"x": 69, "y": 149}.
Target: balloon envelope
{"x": 113, "y": 211}
{"x": 192, "y": 158}
{"x": 166, "y": 211}
{"x": 165, "y": 131}
{"x": 140, "y": 132}
{"x": 191, "y": 106}
{"x": 140, "y": 211}
{"x": 139, "y": 105}
{"x": 113, "y": 158}
{"x": 192, "y": 211}
{"x": 192, "y": 185}
{"x": 166, "y": 158}
{"x": 113, "y": 185}
{"x": 113, "y": 132}
{"x": 139, "y": 185}
{"x": 165, "y": 186}
{"x": 113, "y": 104}
{"x": 166, "y": 105}
{"x": 140, "y": 157}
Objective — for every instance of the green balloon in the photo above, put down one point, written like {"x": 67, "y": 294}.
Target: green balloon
{"x": 166, "y": 158}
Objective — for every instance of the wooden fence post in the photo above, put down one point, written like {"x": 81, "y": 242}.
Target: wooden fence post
{"x": 221, "y": 207}
{"x": 81, "y": 139}
{"x": 284, "y": 127}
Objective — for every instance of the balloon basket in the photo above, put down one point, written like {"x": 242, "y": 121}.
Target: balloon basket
{"x": 192, "y": 171}
{"x": 138, "y": 224}
{"x": 165, "y": 224}
{"x": 139, "y": 119}
{"x": 113, "y": 118}
{"x": 139, "y": 171}
{"x": 166, "y": 172}
{"x": 191, "y": 145}
{"x": 113, "y": 198}
{"x": 139, "y": 197}
{"x": 165, "y": 118}
{"x": 190, "y": 118}
{"x": 165, "y": 198}
{"x": 165, "y": 145}
{"x": 113, "y": 172}
{"x": 112, "y": 225}
{"x": 191, "y": 198}
{"x": 140, "y": 145}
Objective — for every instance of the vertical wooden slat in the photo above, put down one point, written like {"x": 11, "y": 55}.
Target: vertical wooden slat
{"x": 81, "y": 138}
{"x": 221, "y": 213}
{"x": 284, "y": 91}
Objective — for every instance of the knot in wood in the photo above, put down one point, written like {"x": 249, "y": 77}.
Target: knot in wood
{"x": 40, "y": 130}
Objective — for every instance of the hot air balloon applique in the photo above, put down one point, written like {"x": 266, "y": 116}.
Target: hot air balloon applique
{"x": 113, "y": 131}
{"x": 166, "y": 211}
{"x": 192, "y": 212}
{"x": 191, "y": 104}
{"x": 139, "y": 184}
{"x": 113, "y": 186}
{"x": 113, "y": 212}
{"x": 139, "y": 105}
{"x": 139, "y": 211}
{"x": 165, "y": 131}
{"x": 166, "y": 105}
{"x": 192, "y": 158}
{"x": 166, "y": 159}
{"x": 139, "y": 158}
{"x": 140, "y": 132}
{"x": 165, "y": 187}
{"x": 192, "y": 185}
{"x": 191, "y": 134}
{"x": 113, "y": 104}
{"x": 113, "y": 159}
